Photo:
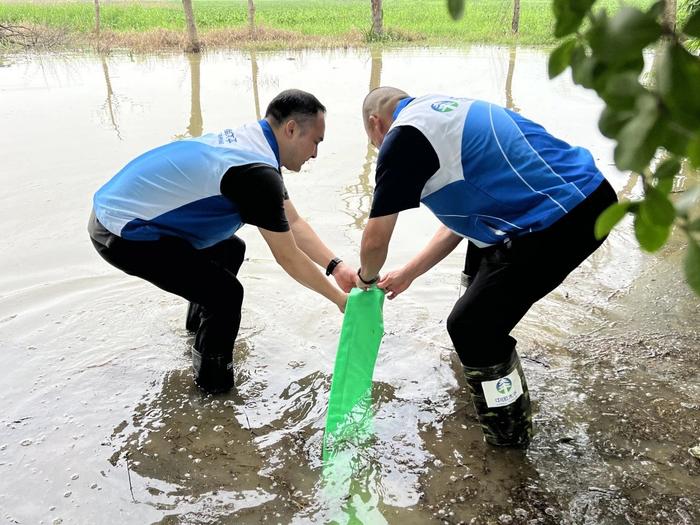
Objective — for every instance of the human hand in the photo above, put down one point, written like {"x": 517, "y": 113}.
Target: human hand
{"x": 344, "y": 276}
{"x": 395, "y": 282}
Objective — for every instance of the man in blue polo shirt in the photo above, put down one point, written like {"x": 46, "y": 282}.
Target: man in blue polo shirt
{"x": 526, "y": 201}
{"x": 170, "y": 217}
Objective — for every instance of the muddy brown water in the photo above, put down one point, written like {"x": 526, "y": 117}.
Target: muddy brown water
{"x": 100, "y": 423}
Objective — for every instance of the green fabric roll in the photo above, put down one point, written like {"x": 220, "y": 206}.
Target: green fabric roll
{"x": 349, "y": 418}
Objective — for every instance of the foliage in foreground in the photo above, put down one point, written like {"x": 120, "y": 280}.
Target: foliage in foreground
{"x": 656, "y": 125}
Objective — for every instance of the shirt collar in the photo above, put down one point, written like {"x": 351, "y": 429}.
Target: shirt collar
{"x": 402, "y": 104}
{"x": 271, "y": 140}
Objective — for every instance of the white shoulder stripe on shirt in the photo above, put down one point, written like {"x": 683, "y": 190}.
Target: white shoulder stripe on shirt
{"x": 498, "y": 142}
{"x": 540, "y": 157}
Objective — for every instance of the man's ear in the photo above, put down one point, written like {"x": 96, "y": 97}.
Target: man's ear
{"x": 291, "y": 127}
{"x": 372, "y": 121}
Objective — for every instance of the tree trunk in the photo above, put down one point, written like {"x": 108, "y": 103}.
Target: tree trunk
{"x": 515, "y": 25}
{"x": 97, "y": 17}
{"x": 194, "y": 46}
{"x": 377, "y": 18}
{"x": 670, "y": 14}
{"x": 251, "y": 18}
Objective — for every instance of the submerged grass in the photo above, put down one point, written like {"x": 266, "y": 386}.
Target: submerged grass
{"x": 331, "y": 22}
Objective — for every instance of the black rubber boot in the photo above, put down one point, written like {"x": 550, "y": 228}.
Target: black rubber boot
{"x": 213, "y": 373}
{"x": 464, "y": 281}
{"x": 193, "y": 318}
{"x": 502, "y": 402}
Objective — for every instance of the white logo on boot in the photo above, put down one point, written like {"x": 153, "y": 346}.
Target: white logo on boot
{"x": 503, "y": 391}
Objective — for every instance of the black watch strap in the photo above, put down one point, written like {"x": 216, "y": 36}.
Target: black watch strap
{"x": 335, "y": 261}
{"x": 371, "y": 281}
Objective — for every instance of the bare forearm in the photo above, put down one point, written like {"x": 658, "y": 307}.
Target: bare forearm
{"x": 372, "y": 258}
{"x": 302, "y": 269}
{"x": 375, "y": 245}
{"x": 298, "y": 265}
{"x": 440, "y": 246}
{"x": 310, "y": 243}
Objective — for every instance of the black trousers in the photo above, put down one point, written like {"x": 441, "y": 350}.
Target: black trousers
{"x": 507, "y": 279}
{"x": 204, "y": 277}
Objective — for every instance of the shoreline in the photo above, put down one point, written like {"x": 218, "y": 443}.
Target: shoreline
{"x": 43, "y": 39}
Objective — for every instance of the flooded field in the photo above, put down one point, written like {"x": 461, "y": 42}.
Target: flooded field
{"x": 100, "y": 421}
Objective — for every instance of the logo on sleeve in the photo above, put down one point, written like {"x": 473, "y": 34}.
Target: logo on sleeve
{"x": 227, "y": 136}
{"x": 444, "y": 106}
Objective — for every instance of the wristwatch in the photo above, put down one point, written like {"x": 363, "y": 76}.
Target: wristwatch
{"x": 371, "y": 281}
{"x": 335, "y": 261}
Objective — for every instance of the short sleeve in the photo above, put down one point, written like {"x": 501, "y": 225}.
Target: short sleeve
{"x": 259, "y": 193}
{"x": 406, "y": 161}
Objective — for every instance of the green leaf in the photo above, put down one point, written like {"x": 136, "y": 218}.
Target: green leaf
{"x": 621, "y": 90}
{"x": 612, "y": 121}
{"x": 623, "y": 37}
{"x": 692, "y": 265}
{"x": 636, "y": 143}
{"x": 651, "y": 236}
{"x": 664, "y": 185}
{"x": 569, "y": 15}
{"x": 657, "y": 9}
{"x": 583, "y": 69}
{"x": 674, "y": 137}
{"x": 668, "y": 169}
{"x": 560, "y": 58}
{"x": 456, "y": 8}
{"x": 694, "y": 151}
{"x": 678, "y": 83}
{"x": 656, "y": 208}
{"x": 609, "y": 218}
{"x": 692, "y": 26}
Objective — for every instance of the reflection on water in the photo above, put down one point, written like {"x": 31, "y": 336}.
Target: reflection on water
{"x": 358, "y": 197}
{"x": 509, "y": 79}
{"x": 254, "y": 76}
{"x": 111, "y": 101}
{"x": 98, "y": 398}
{"x": 196, "y": 122}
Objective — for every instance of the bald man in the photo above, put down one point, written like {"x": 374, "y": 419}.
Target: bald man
{"x": 526, "y": 201}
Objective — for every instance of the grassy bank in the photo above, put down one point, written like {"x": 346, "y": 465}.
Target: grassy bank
{"x": 292, "y": 22}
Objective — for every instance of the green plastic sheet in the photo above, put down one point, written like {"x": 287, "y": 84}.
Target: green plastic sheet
{"x": 348, "y": 472}
{"x": 349, "y": 419}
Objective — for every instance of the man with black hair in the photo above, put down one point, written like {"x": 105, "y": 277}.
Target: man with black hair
{"x": 526, "y": 201}
{"x": 170, "y": 217}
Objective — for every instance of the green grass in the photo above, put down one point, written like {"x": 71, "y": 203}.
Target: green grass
{"x": 485, "y": 21}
